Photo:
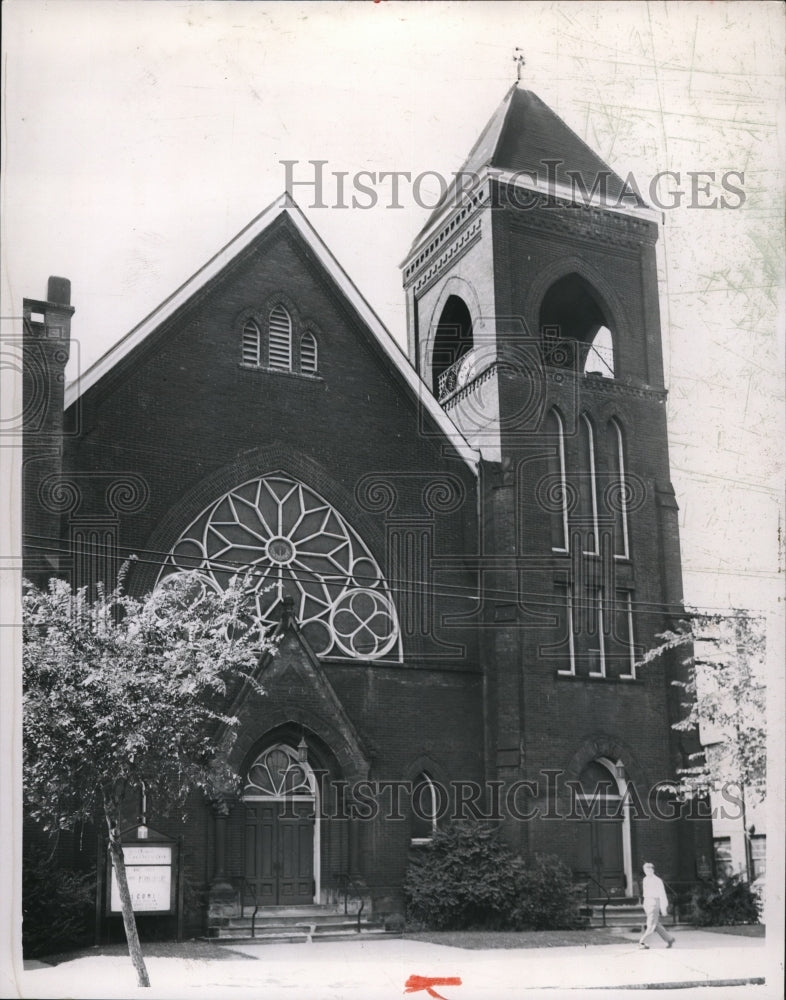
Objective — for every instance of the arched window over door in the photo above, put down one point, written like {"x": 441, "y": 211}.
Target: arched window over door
{"x": 277, "y": 773}
{"x": 453, "y": 339}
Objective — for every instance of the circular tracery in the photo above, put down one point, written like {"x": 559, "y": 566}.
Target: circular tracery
{"x": 280, "y": 551}
{"x": 296, "y": 545}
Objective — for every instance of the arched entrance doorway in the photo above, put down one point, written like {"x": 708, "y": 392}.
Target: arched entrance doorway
{"x": 604, "y": 853}
{"x": 281, "y": 835}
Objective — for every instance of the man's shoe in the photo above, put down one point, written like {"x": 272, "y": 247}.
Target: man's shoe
{"x": 646, "y": 947}
{"x": 670, "y": 943}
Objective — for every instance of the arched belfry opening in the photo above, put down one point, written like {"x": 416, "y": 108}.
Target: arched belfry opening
{"x": 452, "y": 341}
{"x": 575, "y": 330}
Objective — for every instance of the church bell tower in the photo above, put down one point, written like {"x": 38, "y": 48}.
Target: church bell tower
{"x": 532, "y": 303}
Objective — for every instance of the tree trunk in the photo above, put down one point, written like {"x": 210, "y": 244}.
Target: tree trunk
{"x": 129, "y": 920}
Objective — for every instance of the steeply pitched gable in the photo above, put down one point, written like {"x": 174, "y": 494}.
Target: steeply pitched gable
{"x": 284, "y": 206}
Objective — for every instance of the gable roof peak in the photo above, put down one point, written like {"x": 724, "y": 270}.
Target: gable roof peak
{"x": 284, "y": 205}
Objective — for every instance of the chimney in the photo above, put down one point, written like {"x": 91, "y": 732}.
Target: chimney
{"x": 46, "y": 343}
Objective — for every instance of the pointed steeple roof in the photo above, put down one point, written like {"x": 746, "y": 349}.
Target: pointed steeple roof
{"x": 524, "y": 133}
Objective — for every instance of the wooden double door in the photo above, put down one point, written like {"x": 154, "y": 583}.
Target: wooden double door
{"x": 279, "y": 851}
{"x": 600, "y": 855}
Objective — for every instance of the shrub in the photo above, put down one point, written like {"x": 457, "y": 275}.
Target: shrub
{"x": 57, "y": 904}
{"x": 467, "y": 878}
{"x": 461, "y": 880}
{"x": 544, "y": 896}
{"x": 730, "y": 902}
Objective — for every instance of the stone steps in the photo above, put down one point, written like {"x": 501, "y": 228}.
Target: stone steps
{"x": 625, "y": 915}
{"x": 281, "y": 925}
{"x": 619, "y": 913}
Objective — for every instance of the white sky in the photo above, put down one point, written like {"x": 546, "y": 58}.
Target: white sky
{"x": 140, "y": 137}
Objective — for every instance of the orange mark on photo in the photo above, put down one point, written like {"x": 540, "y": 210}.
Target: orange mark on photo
{"x": 427, "y": 983}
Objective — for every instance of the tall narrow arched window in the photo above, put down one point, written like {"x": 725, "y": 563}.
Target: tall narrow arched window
{"x": 597, "y": 629}
{"x": 588, "y": 487}
{"x": 279, "y": 330}
{"x": 308, "y": 354}
{"x": 617, "y": 492}
{"x": 623, "y": 634}
{"x": 557, "y": 491}
{"x": 251, "y": 344}
{"x": 424, "y": 809}
{"x": 569, "y": 647}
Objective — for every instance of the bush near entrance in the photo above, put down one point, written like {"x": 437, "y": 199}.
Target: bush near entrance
{"x": 468, "y": 878}
{"x": 730, "y": 902}
{"x": 58, "y": 904}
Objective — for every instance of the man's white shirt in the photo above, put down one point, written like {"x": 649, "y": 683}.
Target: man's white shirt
{"x": 652, "y": 888}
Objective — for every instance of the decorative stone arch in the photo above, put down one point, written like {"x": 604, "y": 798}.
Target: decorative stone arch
{"x": 462, "y": 289}
{"x": 606, "y": 745}
{"x": 338, "y": 752}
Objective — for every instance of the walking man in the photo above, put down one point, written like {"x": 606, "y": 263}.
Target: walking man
{"x": 655, "y": 903}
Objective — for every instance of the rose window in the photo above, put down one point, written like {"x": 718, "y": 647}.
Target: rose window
{"x": 295, "y": 544}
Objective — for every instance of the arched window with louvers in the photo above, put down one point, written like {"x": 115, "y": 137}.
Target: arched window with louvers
{"x": 279, "y": 333}
{"x": 309, "y": 354}
{"x": 251, "y": 344}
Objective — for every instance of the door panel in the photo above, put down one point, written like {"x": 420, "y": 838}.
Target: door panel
{"x": 608, "y": 853}
{"x": 260, "y": 845}
{"x": 279, "y": 852}
{"x": 598, "y": 854}
{"x": 296, "y": 854}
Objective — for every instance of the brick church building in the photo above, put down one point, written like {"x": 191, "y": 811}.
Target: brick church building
{"x": 464, "y": 547}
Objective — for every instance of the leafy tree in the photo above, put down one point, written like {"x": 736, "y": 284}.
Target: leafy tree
{"x": 724, "y": 698}
{"x": 120, "y": 691}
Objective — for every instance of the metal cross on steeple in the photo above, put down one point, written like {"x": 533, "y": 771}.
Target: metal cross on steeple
{"x": 518, "y": 58}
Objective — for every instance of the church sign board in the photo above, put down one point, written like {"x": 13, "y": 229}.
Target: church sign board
{"x": 150, "y": 881}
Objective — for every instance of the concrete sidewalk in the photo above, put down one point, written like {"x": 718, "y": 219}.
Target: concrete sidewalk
{"x": 380, "y": 969}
